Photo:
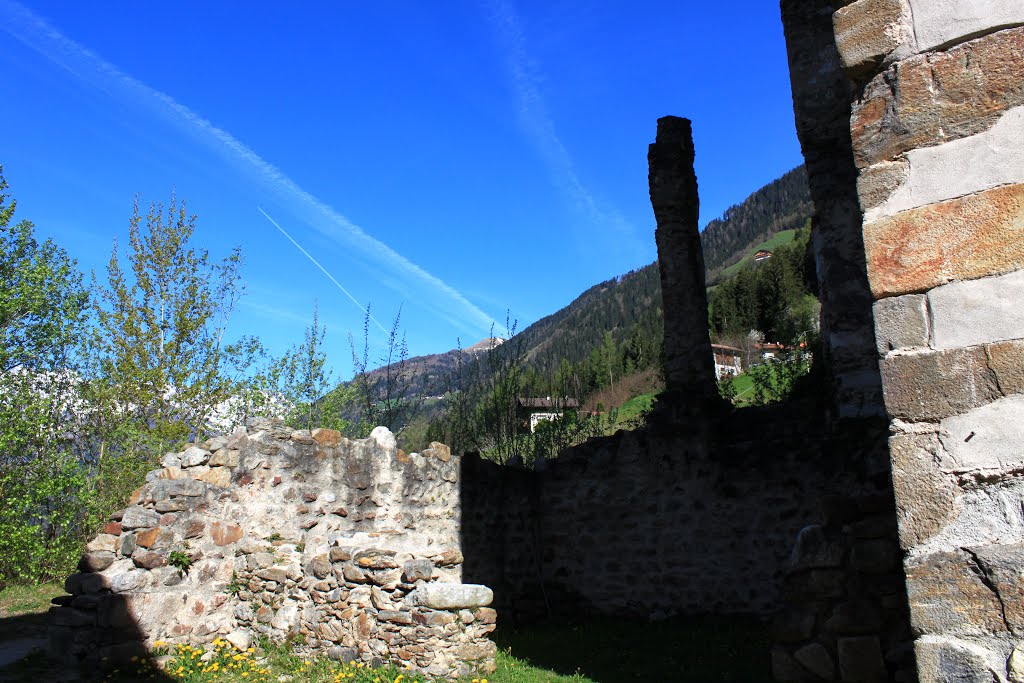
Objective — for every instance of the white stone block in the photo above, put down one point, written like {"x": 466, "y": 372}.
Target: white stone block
{"x": 960, "y": 167}
{"x": 985, "y": 441}
{"x": 944, "y": 22}
{"x": 977, "y": 311}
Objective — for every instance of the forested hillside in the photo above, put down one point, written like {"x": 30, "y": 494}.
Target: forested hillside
{"x": 782, "y": 204}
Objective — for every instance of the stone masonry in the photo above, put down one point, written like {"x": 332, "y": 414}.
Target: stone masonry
{"x": 353, "y": 547}
{"x": 937, "y": 129}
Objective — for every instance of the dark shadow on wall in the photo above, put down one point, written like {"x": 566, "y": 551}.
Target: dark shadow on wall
{"x": 88, "y": 637}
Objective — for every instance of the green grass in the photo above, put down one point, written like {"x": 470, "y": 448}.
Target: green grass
{"x": 634, "y": 407}
{"x": 744, "y": 387}
{"x": 779, "y": 239}
{"x": 17, "y": 600}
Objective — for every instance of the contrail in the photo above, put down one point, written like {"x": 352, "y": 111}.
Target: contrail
{"x": 539, "y": 125}
{"x": 322, "y": 269}
{"x": 28, "y": 28}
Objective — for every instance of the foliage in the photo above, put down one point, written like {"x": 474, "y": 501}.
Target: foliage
{"x": 776, "y": 380}
{"x": 180, "y": 560}
{"x": 774, "y": 296}
{"x": 727, "y": 390}
{"x": 385, "y": 396}
{"x": 159, "y": 331}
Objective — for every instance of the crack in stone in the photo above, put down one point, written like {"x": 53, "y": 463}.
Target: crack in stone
{"x": 986, "y": 578}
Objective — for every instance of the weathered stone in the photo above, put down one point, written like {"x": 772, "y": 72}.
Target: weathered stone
{"x": 129, "y": 581}
{"x": 959, "y": 239}
{"x": 1003, "y": 569}
{"x": 1015, "y": 665}
{"x": 941, "y": 96}
{"x": 375, "y": 558}
{"x": 417, "y": 569}
{"x": 901, "y": 322}
{"x": 217, "y": 476}
{"x": 438, "y": 450}
{"x": 987, "y": 441}
{"x": 189, "y": 488}
{"x": 689, "y": 366}
{"x": 277, "y": 574}
{"x": 989, "y": 159}
{"x": 1006, "y": 360}
{"x": 137, "y": 517}
{"x": 448, "y": 558}
{"x": 948, "y": 595}
{"x": 326, "y": 438}
{"x": 924, "y": 495}
{"x": 320, "y": 566}
{"x": 127, "y": 545}
{"x": 340, "y": 554}
{"x": 225, "y": 533}
{"x": 931, "y": 386}
{"x": 486, "y": 615}
{"x": 868, "y": 31}
{"x": 148, "y": 560}
{"x": 941, "y": 660}
{"x": 394, "y": 617}
{"x": 195, "y": 528}
{"x": 194, "y": 456}
{"x": 102, "y": 543}
{"x": 354, "y": 574}
{"x": 95, "y": 561}
{"x": 112, "y": 528}
{"x": 977, "y": 311}
{"x": 175, "y": 505}
{"x": 938, "y": 23}
{"x": 447, "y": 596}
{"x": 225, "y": 457}
{"x": 860, "y": 660}
{"x": 816, "y": 659}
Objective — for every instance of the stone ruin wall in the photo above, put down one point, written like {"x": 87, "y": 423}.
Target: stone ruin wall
{"x": 352, "y": 547}
{"x": 937, "y": 130}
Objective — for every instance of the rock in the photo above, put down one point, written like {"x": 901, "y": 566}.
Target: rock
{"x": 814, "y": 550}
{"x": 343, "y": 654}
{"x": 95, "y": 561}
{"x": 112, "y": 528}
{"x": 432, "y": 617}
{"x": 320, "y": 566}
{"x": 217, "y": 476}
{"x": 225, "y": 533}
{"x": 327, "y": 438}
{"x": 194, "y": 456}
{"x": 273, "y": 574}
{"x": 486, "y": 615}
{"x": 448, "y": 558}
{"x": 817, "y": 660}
{"x": 439, "y": 451}
{"x": 148, "y": 560}
{"x": 448, "y": 596}
{"x": 375, "y": 558}
{"x": 242, "y": 640}
{"x": 404, "y": 618}
{"x": 384, "y": 439}
{"x": 225, "y": 457}
{"x": 129, "y": 581}
{"x": 417, "y": 569}
{"x": 171, "y": 460}
{"x": 128, "y": 545}
{"x": 137, "y": 517}
{"x": 102, "y": 543}
{"x": 860, "y": 659}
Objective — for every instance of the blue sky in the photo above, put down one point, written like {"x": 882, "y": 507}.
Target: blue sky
{"x": 457, "y": 159}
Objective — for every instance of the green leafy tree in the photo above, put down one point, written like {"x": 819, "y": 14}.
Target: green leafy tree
{"x": 45, "y": 498}
{"x": 160, "y": 326}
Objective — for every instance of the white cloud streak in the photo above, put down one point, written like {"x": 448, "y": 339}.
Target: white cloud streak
{"x": 537, "y": 122}
{"x": 37, "y": 34}
{"x": 322, "y": 269}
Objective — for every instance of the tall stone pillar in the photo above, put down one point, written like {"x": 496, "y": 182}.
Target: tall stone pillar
{"x": 689, "y": 364}
{"x": 937, "y": 129}
{"x": 821, "y": 104}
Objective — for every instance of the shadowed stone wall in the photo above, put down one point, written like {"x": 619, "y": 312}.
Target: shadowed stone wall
{"x": 352, "y": 546}
{"x": 936, "y": 124}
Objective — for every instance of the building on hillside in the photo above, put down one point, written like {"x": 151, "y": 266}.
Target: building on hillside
{"x": 728, "y": 361}
{"x": 762, "y": 255}
{"x": 770, "y": 351}
{"x": 532, "y": 411}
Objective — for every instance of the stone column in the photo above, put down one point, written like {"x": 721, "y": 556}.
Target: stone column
{"x": 689, "y": 364}
{"x": 937, "y": 128}
{"x": 821, "y": 104}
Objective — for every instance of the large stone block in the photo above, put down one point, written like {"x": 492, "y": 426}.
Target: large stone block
{"x": 944, "y": 22}
{"x": 978, "y": 311}
{"x": 987, "y": 441}
{"x": 934, "y": 98}
{"x": 947, "y": 660}
{"x": 948, "y": 594}
{"x": 1003, "y": 567}
{"x": 959, "y": 239}
{"x": 901, "y": 322}
{"x": 989, "y": 159}
{"x": 1007, "y": 362}
{"x": 868, "y": 31}
{"x": 449, "y": 596}
{"x": 924, "y": 494}
{"x": 934, "y": 385}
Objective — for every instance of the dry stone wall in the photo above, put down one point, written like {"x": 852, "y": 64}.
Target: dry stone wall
{"x": 937, "y": 125}
{"x": 353, "y": 547}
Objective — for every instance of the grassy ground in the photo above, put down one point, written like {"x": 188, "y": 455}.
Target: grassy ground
{"x": 597, "y": 651}
{"x": 777, "y": 240}
{"x": 634, "y": 407}
{"x": 744, "y": 387}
